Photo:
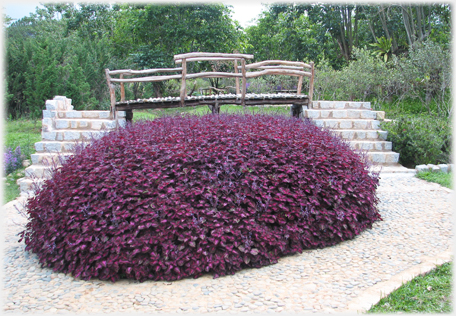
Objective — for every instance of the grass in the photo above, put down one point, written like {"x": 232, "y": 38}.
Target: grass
{"x": 202, "y": 110}
{"x": 10, "y": 188}
{"x": 429, "y": 293}
{"x": 23, "y": 133}
{"x": 444, "y": 179}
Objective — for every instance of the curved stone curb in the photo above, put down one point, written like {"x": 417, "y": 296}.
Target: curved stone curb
{"x": 373, "y": 295}
{"x": 396, "y": 169}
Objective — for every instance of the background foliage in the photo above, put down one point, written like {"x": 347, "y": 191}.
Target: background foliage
{"x": 396, "y": 56}
{"x": 64, "y": 49}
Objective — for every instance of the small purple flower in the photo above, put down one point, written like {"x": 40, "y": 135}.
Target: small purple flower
{"x": 12, "y": 159}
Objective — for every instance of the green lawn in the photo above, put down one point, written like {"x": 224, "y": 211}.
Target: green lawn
{"x": 429, "y": 293}
{"x": 444, "y": 179}
{"x": 23, "y": 133}
{"x": 10, "y": 188}
{"x": 202, "y": 110}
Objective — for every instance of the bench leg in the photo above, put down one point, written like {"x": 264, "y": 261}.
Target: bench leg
{"x": 296, "y": 110}
{"x": 128, "y": 115}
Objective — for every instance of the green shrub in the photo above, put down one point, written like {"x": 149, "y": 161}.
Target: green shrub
{"x": 364, "y": 77}
{"x": 325, "y": 83}
{"x": 420, "y": 139}
{"x": 424, "y": 75}
{"x": 271, "y": 84}
{"x": 419, "y": 80}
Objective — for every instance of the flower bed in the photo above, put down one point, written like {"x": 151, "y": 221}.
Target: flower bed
{"x": 181, "y": 196}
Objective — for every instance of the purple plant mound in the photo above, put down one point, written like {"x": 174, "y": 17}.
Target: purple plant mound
{"x": 182, "y": 196}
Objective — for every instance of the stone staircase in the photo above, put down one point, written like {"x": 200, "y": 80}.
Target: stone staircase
{"x": 359, "y": 125}
{"x": 62, "y": 129}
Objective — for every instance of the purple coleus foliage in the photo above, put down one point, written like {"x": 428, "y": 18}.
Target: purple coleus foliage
{"x": 182, "y": 196}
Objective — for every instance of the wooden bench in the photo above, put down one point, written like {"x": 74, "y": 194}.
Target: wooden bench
{"x": 242, "y": 72}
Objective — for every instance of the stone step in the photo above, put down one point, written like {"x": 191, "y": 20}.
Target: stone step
{"x": 373, "y": 146}
{"x": 49, "y": 159}
{"x": 72, "y": 114}
{"x": 356, "y": 135}
{"x": 27, "y": 185}
{"x": 57, "y": 146}
{"x": 38, "y": 172}
{"x": 365, "y": 124}
{"x": 83, "y": 124}
{"x": 72, "y": 135}
{"x": 383, "y": 158}
{"x": 84, "y": 114}
{"x": 320, "y": 104}
{"x": 344, "y": 114}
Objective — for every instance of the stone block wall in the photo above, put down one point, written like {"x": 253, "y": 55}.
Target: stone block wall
{"x": 62, "y": 127}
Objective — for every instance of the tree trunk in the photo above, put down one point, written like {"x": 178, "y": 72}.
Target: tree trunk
{"x": 157, "y": 89}
{"x": 371, "y": 27}
{"x": 356, "y": 27}
{"x": 383, "y": 19}
{"x": 408, "y": 29}
{"x": 419, "y": 22}
{"x": 342, "y": 43}
{"x": 348, "y": 23}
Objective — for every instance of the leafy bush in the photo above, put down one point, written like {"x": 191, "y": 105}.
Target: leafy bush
{"x": 273, "y": 83}
{"x": 420, "y": 139}
{"x": 424, "y": 75}
{"x": 325, "y": 82}
{"x": 13, "y": 160}
{"x": 420, "y": 78}
{"x": 364, "y": 79}
{"x": 181, "y": 196}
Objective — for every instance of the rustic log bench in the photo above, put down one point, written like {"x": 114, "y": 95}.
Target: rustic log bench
{"x": 241, "y": 72}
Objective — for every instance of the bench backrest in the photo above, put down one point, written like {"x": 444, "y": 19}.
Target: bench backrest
{"x": 241, "y": 71}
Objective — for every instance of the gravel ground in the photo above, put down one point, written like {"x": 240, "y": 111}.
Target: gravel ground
{"x": 416, "y": 225}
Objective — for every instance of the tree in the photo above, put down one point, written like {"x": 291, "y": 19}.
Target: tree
{"x": 341, "y": 22}
{"x": 405, "y": 24}
{"x": 288, "y": 27}
{"x": 166, "y": 30}
{"x": 46, "y": 56}
{"x": 152, "y": 34}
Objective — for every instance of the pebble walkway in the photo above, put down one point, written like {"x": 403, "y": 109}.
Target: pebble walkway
{"x": 416, "y": 225}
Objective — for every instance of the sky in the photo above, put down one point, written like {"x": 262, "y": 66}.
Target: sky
{"x": 244, "y": 11}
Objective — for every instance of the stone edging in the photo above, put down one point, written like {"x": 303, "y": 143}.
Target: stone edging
{"x": 374, "y": 294}
{"x": 445, "y": 168}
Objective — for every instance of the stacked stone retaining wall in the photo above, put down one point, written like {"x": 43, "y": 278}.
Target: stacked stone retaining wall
{"x": 62, "y": 128}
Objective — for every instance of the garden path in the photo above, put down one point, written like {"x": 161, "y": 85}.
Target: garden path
{"x": 413, "y": 237}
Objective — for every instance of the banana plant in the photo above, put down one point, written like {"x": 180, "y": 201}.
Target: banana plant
{"x": 383, "y": 46}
